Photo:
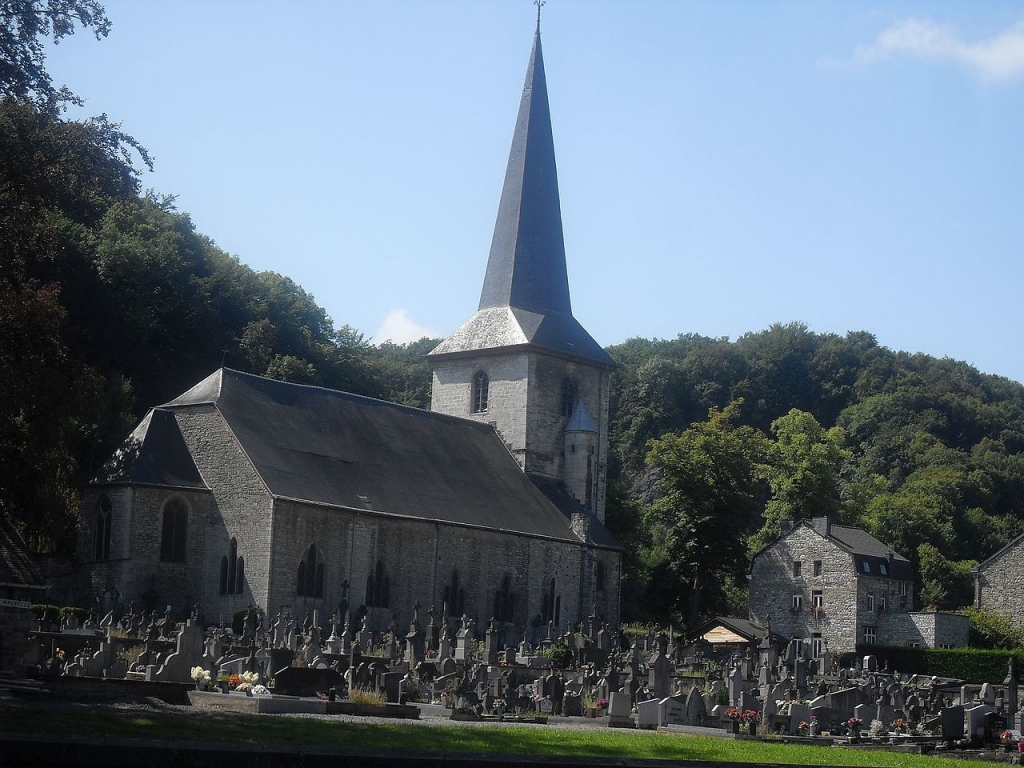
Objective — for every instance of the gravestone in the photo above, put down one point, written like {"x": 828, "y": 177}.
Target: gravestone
{"x": 952, "y": 719}
{"x": 647, "y": 714}
{"x": 302, "y": 681}
{"x": 619, "y": 707}
{"x": 694, "y": 709}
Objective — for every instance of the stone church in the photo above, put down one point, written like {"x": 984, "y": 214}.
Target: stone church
{"x": 249, "y": 491}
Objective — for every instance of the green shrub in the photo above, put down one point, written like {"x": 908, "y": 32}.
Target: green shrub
{"x": 968, "y": 664}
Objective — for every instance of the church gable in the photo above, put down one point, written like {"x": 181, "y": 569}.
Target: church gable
{"x": 154, "y": 454}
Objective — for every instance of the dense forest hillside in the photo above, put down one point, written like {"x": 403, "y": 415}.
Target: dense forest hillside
{"x": 111, "y": 302}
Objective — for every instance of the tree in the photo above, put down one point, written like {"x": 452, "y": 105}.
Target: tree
{"x": 946, "y": 584}
{"x": 25, "y": 25}
{"x": 802, "y": 472}
{"x": 707, "y": 505}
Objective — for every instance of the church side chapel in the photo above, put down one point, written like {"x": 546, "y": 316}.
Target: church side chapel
{"x": 246, "y": 491}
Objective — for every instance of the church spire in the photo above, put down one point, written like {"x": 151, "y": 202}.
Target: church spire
{"x": 526, "y": 267}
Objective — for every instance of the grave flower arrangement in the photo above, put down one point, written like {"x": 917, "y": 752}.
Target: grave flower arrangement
{"x": 1006, "y": 737}
{"x": 201, "y": 678}
{"x": 899, "y": 725}
{"x": 248, "y": 680}
{"x": 732, "y": 713}
{"x": 602, "y": 704}
{"x": 877, "y": 729}
{"x": 854, "y": 722}
{"x": 804, "y": 728}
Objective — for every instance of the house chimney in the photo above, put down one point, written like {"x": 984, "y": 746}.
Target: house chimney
{"x": 786, "y": 526}
{"x": 822, "y": 525}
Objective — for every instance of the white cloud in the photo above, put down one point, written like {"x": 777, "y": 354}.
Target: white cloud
{"x": 399, "y": 328}
{"x": 999, "y": 58}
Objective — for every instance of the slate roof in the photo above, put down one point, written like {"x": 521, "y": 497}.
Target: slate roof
{"x": 525, "y": 295}
{"x": 16, "y": 564}
{"x": 863, "y": 546}
{"x": 327, "y": 447}
{"x": 154, "y": 454}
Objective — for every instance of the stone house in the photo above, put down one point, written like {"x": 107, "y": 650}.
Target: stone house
{"x": 999, "y": 582}
{"x": 830, "y": 586}
{"x": 293, "y": 498}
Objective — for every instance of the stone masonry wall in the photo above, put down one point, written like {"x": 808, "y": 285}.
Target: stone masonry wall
{"x": 508, "y": 374}
{"x": 134, "y": 571}
{"x": 924, "y": 629}
{"x": 420, "y": 558}
{"x": 240, "y": 508}
{"x": 772, "y": 586}
{"x": 1000, "y": 584}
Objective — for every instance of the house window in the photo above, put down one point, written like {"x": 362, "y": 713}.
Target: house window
{"x": 881, "y": 604}
{"x": 798, "y": 602}
{"x": 481, "y": 384}
{"x": 870, "y": 635}
{"x": 871, "y": 602}
{"x": 903, "y": 588}
{"x": 796, "y": 568}
{"x": 568, "y": 398}
{"x": 232, "y": 571}
{"x": 378, "y": 587}
{"x": 310, "y": 582}
{"x": 817, "y": 567}
{"x": 454, "y": 596}
{"x": 101, "y": 548}
{"x": 883, "y": 569}
{"x": 505, "y": 601}
{"x": 866, "y": 565}
{"x": 817, "y": 599}
{"x": 175, "y": 529}
{"x": 817, "y": 645}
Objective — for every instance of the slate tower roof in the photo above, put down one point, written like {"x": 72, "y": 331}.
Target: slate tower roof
{"x": 525, "y": 295}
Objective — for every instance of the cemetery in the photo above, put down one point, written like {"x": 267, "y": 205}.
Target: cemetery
{"x": 445, "y": 667}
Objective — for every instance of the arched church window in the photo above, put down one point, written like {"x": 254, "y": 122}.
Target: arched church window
{"x": 454, "y": 596}
{"x": 481, "y": 384}
{"x": 311, "y": 575}
{"x": 599, "y": 576}
{"x": 175, "y": 531}
{"x": 104, "y": 518}
{"x": 377, "y": 587}
{"x": 568, "y": 398}
{"x": 505, "y": 601}
{"x": 232, "y": 571}
{"x": 551, "y": 605}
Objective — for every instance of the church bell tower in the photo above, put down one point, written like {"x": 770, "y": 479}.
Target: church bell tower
{"x": 523, "y": 363}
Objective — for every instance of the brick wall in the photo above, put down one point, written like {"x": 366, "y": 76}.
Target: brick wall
{"x": 924, "y": 629}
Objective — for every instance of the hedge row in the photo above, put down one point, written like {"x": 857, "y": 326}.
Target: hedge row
{"x": 967, "y": 664}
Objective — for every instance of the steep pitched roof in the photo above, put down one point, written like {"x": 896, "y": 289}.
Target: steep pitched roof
{"x": 16, "y": 565}
{"x": 154, "y": 454}
{"x": 525, "y": 295}
{"x": 327, "y": 447}
{"x": 995, "y": 556}
{"x": 860, "y": 542}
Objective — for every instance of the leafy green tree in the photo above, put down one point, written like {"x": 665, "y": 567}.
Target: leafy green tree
{"x": 707, "y": 505}
{"x": 25, "y": 26}
{"x": 945, "y": 584}
{"x": 991, "y": 630}
{"x": 802, "y": 471}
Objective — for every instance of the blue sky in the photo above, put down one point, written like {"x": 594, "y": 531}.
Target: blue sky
{"x": 723, "y": 165}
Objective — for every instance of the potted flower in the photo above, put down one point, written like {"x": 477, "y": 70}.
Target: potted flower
{"x": 1006, "y": 737}
{"x": 733, "y": 715}
{"x": 246, "y": 682}
{"x": 803, "y": 729}
{"x": 854, "y": 725}
{"x": 899, "y": 726}
{"x": 602, "y": 707}
{"x": 751, "y": 718}
{"x": 201, "y": 678}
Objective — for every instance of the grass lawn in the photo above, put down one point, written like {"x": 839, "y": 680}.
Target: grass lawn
{"x": 207, "y": 726}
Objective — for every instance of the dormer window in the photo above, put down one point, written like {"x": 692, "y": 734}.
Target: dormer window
{"x": 866, "y": 565}
{"x": 480, "y": 386}
{"x": 883, "y": 569}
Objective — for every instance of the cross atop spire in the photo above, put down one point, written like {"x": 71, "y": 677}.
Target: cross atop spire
{"x": 540, "y": 4}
